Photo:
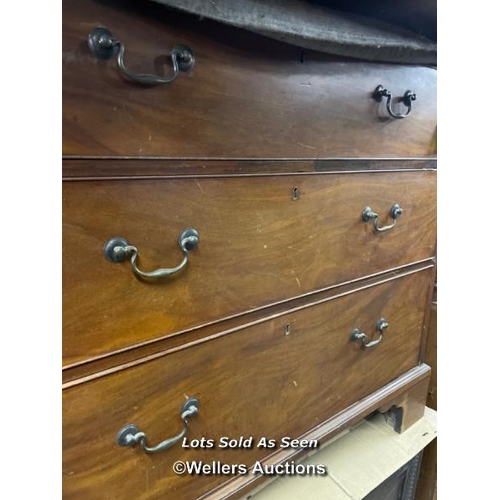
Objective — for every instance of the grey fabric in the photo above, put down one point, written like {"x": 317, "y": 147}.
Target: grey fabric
{"x": 317, "y": 27}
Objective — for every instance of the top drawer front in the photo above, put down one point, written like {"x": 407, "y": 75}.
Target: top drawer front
{"x": 246, "y": 97}
{"x": 258, "y": 246}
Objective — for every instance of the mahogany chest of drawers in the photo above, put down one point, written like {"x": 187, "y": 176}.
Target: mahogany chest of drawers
{"x": 248, "y": 251}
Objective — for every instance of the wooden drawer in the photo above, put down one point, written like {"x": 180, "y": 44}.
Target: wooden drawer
{"x": 256, "y": 382}
{"x": 246, "y": 97}
{"x": 257, "y": 247}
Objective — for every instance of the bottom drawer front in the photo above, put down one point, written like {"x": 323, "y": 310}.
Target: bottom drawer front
{"x": 273, "y": 380}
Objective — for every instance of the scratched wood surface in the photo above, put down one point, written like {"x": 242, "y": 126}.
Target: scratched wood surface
{"x": 258, "y": 382}
{"x": 257, "y": 247}
{"x": 247, "y": 96}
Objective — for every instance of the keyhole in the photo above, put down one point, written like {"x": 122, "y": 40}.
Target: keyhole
{"x": 295, "y": 193}
{"x": 287, "y": 329}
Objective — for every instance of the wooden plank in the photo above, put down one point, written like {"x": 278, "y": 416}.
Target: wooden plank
{"x": 89, "y": 168}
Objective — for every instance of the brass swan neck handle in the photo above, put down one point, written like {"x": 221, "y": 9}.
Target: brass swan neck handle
{"x": 103, "y": 45}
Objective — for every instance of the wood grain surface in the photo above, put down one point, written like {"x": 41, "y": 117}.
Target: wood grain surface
{"x": 246, "y": 97}
{"x": 257, "y": 247}
{"x": 147, "y": 351}
{"x": 259, "y": 382}
{"x": 152, "y": 168}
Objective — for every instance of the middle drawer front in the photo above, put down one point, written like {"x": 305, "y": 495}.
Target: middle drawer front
{"x": 268, "y": 380}
{"x": 258, "y": 246}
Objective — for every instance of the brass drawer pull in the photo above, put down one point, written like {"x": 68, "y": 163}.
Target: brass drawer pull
{"x": 102, "y": 44}
{"x": 118, "y": 249}
{"x": 369, "y": 214}
{"x": 380, "y": 92}
{"x": 130, "y": 435}
{"x": 357, "y": 335}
